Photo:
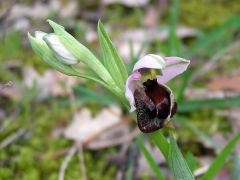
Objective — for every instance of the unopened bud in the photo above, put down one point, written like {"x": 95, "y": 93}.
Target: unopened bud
{"x": 61, "y": 52}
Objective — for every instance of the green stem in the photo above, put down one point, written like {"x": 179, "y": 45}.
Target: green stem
{"x": 158, "y": 138}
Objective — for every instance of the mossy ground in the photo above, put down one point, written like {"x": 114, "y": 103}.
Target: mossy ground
{"x": 33, "y": 156}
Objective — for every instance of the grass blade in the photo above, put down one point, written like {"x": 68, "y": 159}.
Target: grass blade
{"x": 158, "y": 138}
{"x": 194, "y": 105}
{"x": 149, "y": 159}
{"x": 177, "y": 163}
{"x": 112, "y": 60}
{"x": 88, "y": 95}
{"x": 220, "y": 159}
{"x": 174, "y": 43}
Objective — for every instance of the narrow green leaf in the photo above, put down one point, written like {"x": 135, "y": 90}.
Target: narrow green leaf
{"x": 174, "y": 42}
{"x": 191, "y": 161}
{"x": 86, "y": 56}
{"x": 177, "y": 163}
{"x": 89, "y": 95}
{"x": 82, "y": 53}
{"x": 218, "y": 162}
{"x": 194, "y": 105}
{"x": 158, "y": 138}
{"x": 112, "y": 60}
{"x": 184, "y": 83}
{"x": 149, "y": 159}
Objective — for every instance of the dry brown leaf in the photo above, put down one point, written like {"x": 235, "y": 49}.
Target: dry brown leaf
{"x": 204, "y": 93}
{"x": 10, "y": 90}
{"x": 43, "y": 10}
{"x": 51, "y": 82}
{"x": 114, "y": 136}
{"x": 225, "y": 84}
{"x": 129, "y": 3}
{"x": 151, "y": 18}
{"x": 138, "y": 38}
{"x": 85, "y": 128}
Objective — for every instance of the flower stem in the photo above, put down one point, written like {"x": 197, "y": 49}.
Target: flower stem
{"x": 158, "y": 138}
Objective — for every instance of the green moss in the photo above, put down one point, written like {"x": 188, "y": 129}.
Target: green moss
{"x": 6, "y": 173}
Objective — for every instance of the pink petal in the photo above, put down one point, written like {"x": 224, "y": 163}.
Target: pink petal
{"x": 174, "y": 66}
{"x": 150, "y": 61}
{"x": 131, "y": 85}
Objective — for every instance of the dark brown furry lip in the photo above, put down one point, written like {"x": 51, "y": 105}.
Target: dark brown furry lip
{"x": 153, "y": 105}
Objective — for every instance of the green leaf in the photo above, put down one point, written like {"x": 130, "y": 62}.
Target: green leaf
{"x": 112, "y": 60}
{"x": 42, "y": 50}
{"x": 174, "y": 42}
{"x": 89, "y": 95}
{"x": 191, "y": 161}
{"x": 149, "y": 159}
{"x": 220, "y": 159}
{"x": 82, "y": 53}
{"x": 177, "y": 163}
{"x": 158, "y": 138}
{"x": 182, "y": 87}
{"x": 194, "y": 105}
{"x": 87, "y": 57}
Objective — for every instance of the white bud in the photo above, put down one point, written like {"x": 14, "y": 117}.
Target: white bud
{"x": 61, "y": 52}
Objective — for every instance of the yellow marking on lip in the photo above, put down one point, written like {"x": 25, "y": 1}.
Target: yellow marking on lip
{"x": 153, "y": 74}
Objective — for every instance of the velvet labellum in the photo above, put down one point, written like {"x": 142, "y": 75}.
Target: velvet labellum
{"x": 155, "y": 106}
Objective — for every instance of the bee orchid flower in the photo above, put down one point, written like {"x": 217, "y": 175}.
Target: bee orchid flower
{"x": 147, "y": 92}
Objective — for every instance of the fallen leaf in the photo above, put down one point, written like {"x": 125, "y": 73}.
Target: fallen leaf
{"x": 138, "y": 38}
{"x": 225, "y": 83}
{"x": 50, "y": 83}
{"x": 85, "y": 128}
{"x": 41, "y": 10}
{"x": 151, "y": 17}
{"x": 11, "y": 90}
{"x": 114, "y": 136}
{"x": 129, "y": 3}
{"x": 203, "y": 93}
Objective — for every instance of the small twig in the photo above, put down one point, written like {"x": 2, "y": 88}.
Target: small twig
{"x": 66, "y": 161}
{"x": 12, "y": 138}
{"x": 81, "y": 160}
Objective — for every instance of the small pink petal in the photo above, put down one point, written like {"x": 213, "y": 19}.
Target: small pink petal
{"x": 136, "y": 75}
{"x": 131, "y": 85}
{"x": 174, "y": 66}
{"x": 150, "y": 61}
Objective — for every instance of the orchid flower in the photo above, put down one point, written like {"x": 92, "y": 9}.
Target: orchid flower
{"x": 148, "y": 93}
